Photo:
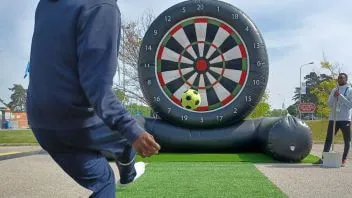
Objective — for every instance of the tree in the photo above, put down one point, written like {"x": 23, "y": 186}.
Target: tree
{"x": 312, "y": 80}
{"x": 322, "y": 91}
{"x": 132, "y": 34}
{"x": 142, "y": 110}
{"x": 121, "y": 95}
{"x": 262, "y": 109}
{"x": 18, "y": 99}
{"x": 277, "y": 112}
{"x": 292, "y": 110}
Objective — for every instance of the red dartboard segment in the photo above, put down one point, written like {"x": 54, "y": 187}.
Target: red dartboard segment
{"x": 175, "y": 99}
{"x": 227, "y": 100}
{"x": 205, "y": 108}
{"x": 227, "y": 28}
{"x": 161, "y": 79}
{"x": 160, "y": 53}
{"x": 201, "y": 20}
{"x": 222, "y": 72}
{"x": 176, "y": 29}
{"x": 180, "y": 72}
{"x": 243, "y": 78}
{"x": 243, "y": 51}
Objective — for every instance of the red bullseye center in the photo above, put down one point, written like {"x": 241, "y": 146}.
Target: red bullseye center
{"x": 202, "y": 65}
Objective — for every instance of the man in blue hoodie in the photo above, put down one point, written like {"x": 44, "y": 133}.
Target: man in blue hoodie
{"x": 342, "y": 95}
{"x": 71, "y": 107}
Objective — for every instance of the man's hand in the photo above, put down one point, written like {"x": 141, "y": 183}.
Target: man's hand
{"x": 146, "y": 146}
{"x": 337, "y": 93}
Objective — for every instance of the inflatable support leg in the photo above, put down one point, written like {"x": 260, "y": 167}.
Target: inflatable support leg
{"x": 286, "y": 138}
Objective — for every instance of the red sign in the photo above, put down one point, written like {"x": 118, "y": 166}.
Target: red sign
{"x": 307, "y": 108}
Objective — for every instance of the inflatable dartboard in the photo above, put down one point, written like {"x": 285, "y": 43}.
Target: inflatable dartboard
{"x": 209, "y": 46}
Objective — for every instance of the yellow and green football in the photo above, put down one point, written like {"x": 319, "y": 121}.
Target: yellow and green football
{"x": 191, "y": 99}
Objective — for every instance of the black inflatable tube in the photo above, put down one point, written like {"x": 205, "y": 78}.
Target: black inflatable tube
{"x": 284, "y": 138}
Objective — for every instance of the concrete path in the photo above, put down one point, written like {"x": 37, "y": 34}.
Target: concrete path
{"x": 306, "y": 180}
{"x": 38, "y": 176}
{"x": 18, "y": 149}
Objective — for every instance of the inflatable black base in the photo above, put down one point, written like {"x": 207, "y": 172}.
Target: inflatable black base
{"x": 286, "y": 139}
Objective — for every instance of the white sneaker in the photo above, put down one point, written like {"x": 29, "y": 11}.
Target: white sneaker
{"x": 140, "y": 169}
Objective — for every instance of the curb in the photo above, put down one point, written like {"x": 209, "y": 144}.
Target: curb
{"x": 22, "y": 154}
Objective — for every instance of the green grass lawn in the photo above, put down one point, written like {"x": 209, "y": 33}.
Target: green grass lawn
{"x": 319, "y": 128}
{"x": 201, "y": 179}
{"x": 17, "y": 137}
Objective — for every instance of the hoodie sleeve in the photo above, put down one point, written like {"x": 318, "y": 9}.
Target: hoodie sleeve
{"x": 331, "y": 98}
{"x": 347, "y": 101}
{"x": 98, "y": 30}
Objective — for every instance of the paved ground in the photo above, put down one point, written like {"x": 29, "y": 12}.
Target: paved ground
{"x": 305, "y": 180}
{"x": 12, "y": 149}
{"x": 38, "y": 176}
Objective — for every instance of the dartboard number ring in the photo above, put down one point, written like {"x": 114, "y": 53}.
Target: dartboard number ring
{"x": 207, "y": 46}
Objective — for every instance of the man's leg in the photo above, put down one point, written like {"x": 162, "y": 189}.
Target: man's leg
{"x": 346, "y": 131}
{"x": 329, "y": 136}
{"x": 90, "y": 169}
{"x": 328, "y": 140}
{"x": 128, "y": 168}
{"x": 101, "y": 138}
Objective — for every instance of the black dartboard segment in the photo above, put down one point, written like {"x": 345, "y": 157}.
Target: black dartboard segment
{"x": 208, "y": 46}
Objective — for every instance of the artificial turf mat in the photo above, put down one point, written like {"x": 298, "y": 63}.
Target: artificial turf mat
{"x": 204, "y": 175}
{"x": 238, "y": 157}
{"x": 201, "y": 179}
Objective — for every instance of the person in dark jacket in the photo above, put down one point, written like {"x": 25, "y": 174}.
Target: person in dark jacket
{"x": 71, "y": 106}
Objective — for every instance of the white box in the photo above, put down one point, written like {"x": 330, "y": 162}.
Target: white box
{"x": 332, "y": 159}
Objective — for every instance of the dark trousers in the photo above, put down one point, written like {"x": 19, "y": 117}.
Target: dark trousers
{"x": 78, "y": 153}
{"x": 345, "y": 127}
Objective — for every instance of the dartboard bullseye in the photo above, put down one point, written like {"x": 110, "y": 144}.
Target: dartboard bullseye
{"x": 208, "y": 46}
{"x": 191, "y": 56}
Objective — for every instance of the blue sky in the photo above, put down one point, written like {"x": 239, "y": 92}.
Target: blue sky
{"x": 295, "y": 32}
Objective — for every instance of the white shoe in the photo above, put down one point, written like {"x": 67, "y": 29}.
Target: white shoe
{"x": 140, "y": 169}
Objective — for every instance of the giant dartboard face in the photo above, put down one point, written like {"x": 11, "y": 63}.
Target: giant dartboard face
{"x": 204, "y": 54}
{"x": 208, "y": 46}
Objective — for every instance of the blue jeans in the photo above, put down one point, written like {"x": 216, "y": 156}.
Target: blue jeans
{"x": 78, "y": 153}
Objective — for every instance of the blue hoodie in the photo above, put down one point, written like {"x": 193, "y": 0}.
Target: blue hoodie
{"x": 73, "y": 62}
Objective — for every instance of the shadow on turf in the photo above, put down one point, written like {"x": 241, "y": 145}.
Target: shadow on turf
{"x": 214, "y": 157}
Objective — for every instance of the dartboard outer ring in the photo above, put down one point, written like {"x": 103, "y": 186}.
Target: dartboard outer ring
{"x": 254, "y": 76}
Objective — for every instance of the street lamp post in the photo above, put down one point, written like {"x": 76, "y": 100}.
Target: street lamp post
{"x": 300, "y": 86}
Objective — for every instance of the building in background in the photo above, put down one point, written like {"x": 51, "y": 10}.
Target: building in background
{"x": 12, "y": 120}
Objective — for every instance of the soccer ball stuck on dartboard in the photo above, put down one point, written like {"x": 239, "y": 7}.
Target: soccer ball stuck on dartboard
{"x": 191, "y": 99}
